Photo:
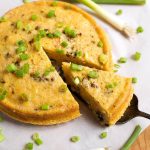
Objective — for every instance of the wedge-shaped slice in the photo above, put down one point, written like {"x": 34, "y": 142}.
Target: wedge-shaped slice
{"x": 31, "y": 90}
{"x": 67, "y": 32}
{"x": 107, "y": 94}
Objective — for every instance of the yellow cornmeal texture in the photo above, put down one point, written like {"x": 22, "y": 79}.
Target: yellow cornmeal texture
{"x": 107, "y": 94}
{"x": 26, "y": 95}
{"x": 85, "y": 47}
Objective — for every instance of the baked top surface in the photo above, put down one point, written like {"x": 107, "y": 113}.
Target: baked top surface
{"x": 84, "y": 45}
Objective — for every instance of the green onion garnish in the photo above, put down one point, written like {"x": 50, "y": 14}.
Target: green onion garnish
{"x": 49, "y": 70}
{"x": 111, "y": 85}
{"x": 42, "y": 33}
{"x": 51, "y": 14}
{"x": 45, "y": 107}
{"x": 3, "y": 94}
{"x": 56, "y": 34}
{"x": 119, "y": 12}
{"x": 26, "y": 1}
{"x": 93, "y": 74}
{"x": 60, "y": 51}
{"x": 29, "y": 146}
{"x": 22, "y": 46}
{"x": 132, "y": 138}
{"x": 37, "y": 45}
{"x": 11, "y": 68}
{"x": 34, "y": 17}
{"x": 54, "y": 3}
{"x": 78, "y": 54}
{"x": 28, "y": 28}
{"x": 76, "y": 67}
{"x": 64, "y": 44}
{"x": 70, "y": 32}
{"x": 122, "y": 60}
{"x": 139, "y": 29}
{"x": 137, "y": 56}
{"x": 2, "y": 137}
{"x": 103, "y": 135}
{"x": 24, "y": 97}
{"x": 134, "y": 80}
{"x": 116, "y": 65}
{"x": 100, "y": 44}
{"x": 36, "y": 74}
{"x": 103, "y": 58}
{"x": 2, "y": 19}
{"x": 35, "y": 136}
{"x": 24, "y": 56}
{"x": 75, "y": 139}
{"x": 19, "y": 24}
{"x": 50, "y": 35}
{"x": 76, "y": 80}
{"x": 63, "y": 88}
{"x": 37, "y": 139}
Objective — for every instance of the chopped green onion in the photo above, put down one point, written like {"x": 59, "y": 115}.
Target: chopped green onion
{"x": 1, "y": 119}
{"x": 63, "y": 88}
{"x": 54, "y": 3}
{"x": 103, "y": 135}
{"x": 19, "y": 24}
{"x": 76, "y": 80}
{"x": 22, "y": 47}
{"x": 37, "y": 45}
{"x": 24, "y": 97}
{"x": 134, "y": 80}
{"x": 23, "y": 70}
{"x": 37, "y": 38}
{"x": 11, "y": 68}
{"x": 36, "y": 74}
{"x": 60, "y": 51}
{"x": 111, "y": 85}
{"x": 45, "y": 107}
{"x": 75, "y": 139}
{"x": 139, "y": 29}
{"x": 93, "y": 74}
{"x": 132, "y": 138}
{"x": 24, "y": 56}
{"x": 56, "y": 34}
{"x": 2, "y": 137}
{"x": 115, "y": 70}
{"x": 103, "y": 58}
{"x": 64, "y": 44}
{"x": 76, "y": 67}
{"x": 49, "y": 70}
{"x": 29, "y": 146}
{"x": 70, "y": 32}
{"x": 137, "y": 56}
{"x": 51, "y": 14}
{"x": 21, "y": 43}
{"x": 2, "y": 19}
{"x": 100, "y": 44}
{"x": 116, "y": 65}
{"x": 50, "y": 35}
{"x": 78, "y": 54}
{"x": 34, "y": 17}
{"x": 122, "y": 60}
{"x": 36, "y": 139}
{"x": 119, "y": 12}
{"x": 42, "y": 33}
{"x": 28, "y": 28}
{"x": 3, "y": 94}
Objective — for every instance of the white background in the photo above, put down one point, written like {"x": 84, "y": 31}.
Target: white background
{"x": 57, "y": 137}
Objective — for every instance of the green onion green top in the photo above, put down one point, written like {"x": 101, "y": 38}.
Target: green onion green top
{"x": 2, "y": 137}
{"x": 11, "y": 68}
{"x": 60, "y": 51}
{"x": 70, "y": 32}
{"x": 51, "y": 14}
{"x": 64, "y": 44}
{"x": 34, "y": 17}
{"x": 63, "y": 88}
{"x": 35, "y": 136}
{"x": 75, "y": 139}
{"x": 37, "y": 45}
{"x": 24, "y": 56}
{"x": 36, "y": 74}
{"x": 3, "y": 94}
{"x": 42, "y": 33}
{"x": 19, "y": 24}
{"x": 24, "y": 97}
{"x": 137, "y": 56}
{"x": 22, "y": 46}
{"x": 76, "y": 80}
{"x": 116, "y": 65}
{"x": 54, "y": 3}
{"x": 111, "y": 85}
{"x": 29, "y": 146}
{"x": 122, "y": 60}
{"x": 103, "y": 58}
{"x": 119, "y": 12}
{"x": 100, "y": 44}
{"x": 56, "y": 34}
{"x": 36, "y": 139}
{"x": 78, "y": 54}
{"x": 93, "y": 74}
{"x": 139, "y": 29}
{"x": 134, "y": 80}
{"x": 76, "y": 67}
{"x": 45, "y": 107}
{"x": 50, "y": 35}
{"x": 103, "y": 135}
{"x": 2, "y": 19}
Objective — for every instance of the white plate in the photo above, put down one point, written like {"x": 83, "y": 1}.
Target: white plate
{"x": 57, "y": 137}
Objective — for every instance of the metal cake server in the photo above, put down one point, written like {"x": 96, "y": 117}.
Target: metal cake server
{"x": 132, "y": 112}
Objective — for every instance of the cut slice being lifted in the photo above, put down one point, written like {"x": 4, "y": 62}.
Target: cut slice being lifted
{"x": 31, "y": 90}
{"x": 108, "y": 95}
{"x": 67, "y": 33}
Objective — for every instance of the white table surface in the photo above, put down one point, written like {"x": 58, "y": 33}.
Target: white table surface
{"x": 57, "y": 137}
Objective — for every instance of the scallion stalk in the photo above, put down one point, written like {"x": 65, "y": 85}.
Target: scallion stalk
{"x": 109, "y": 18}
{"x": 127, "y": 2}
